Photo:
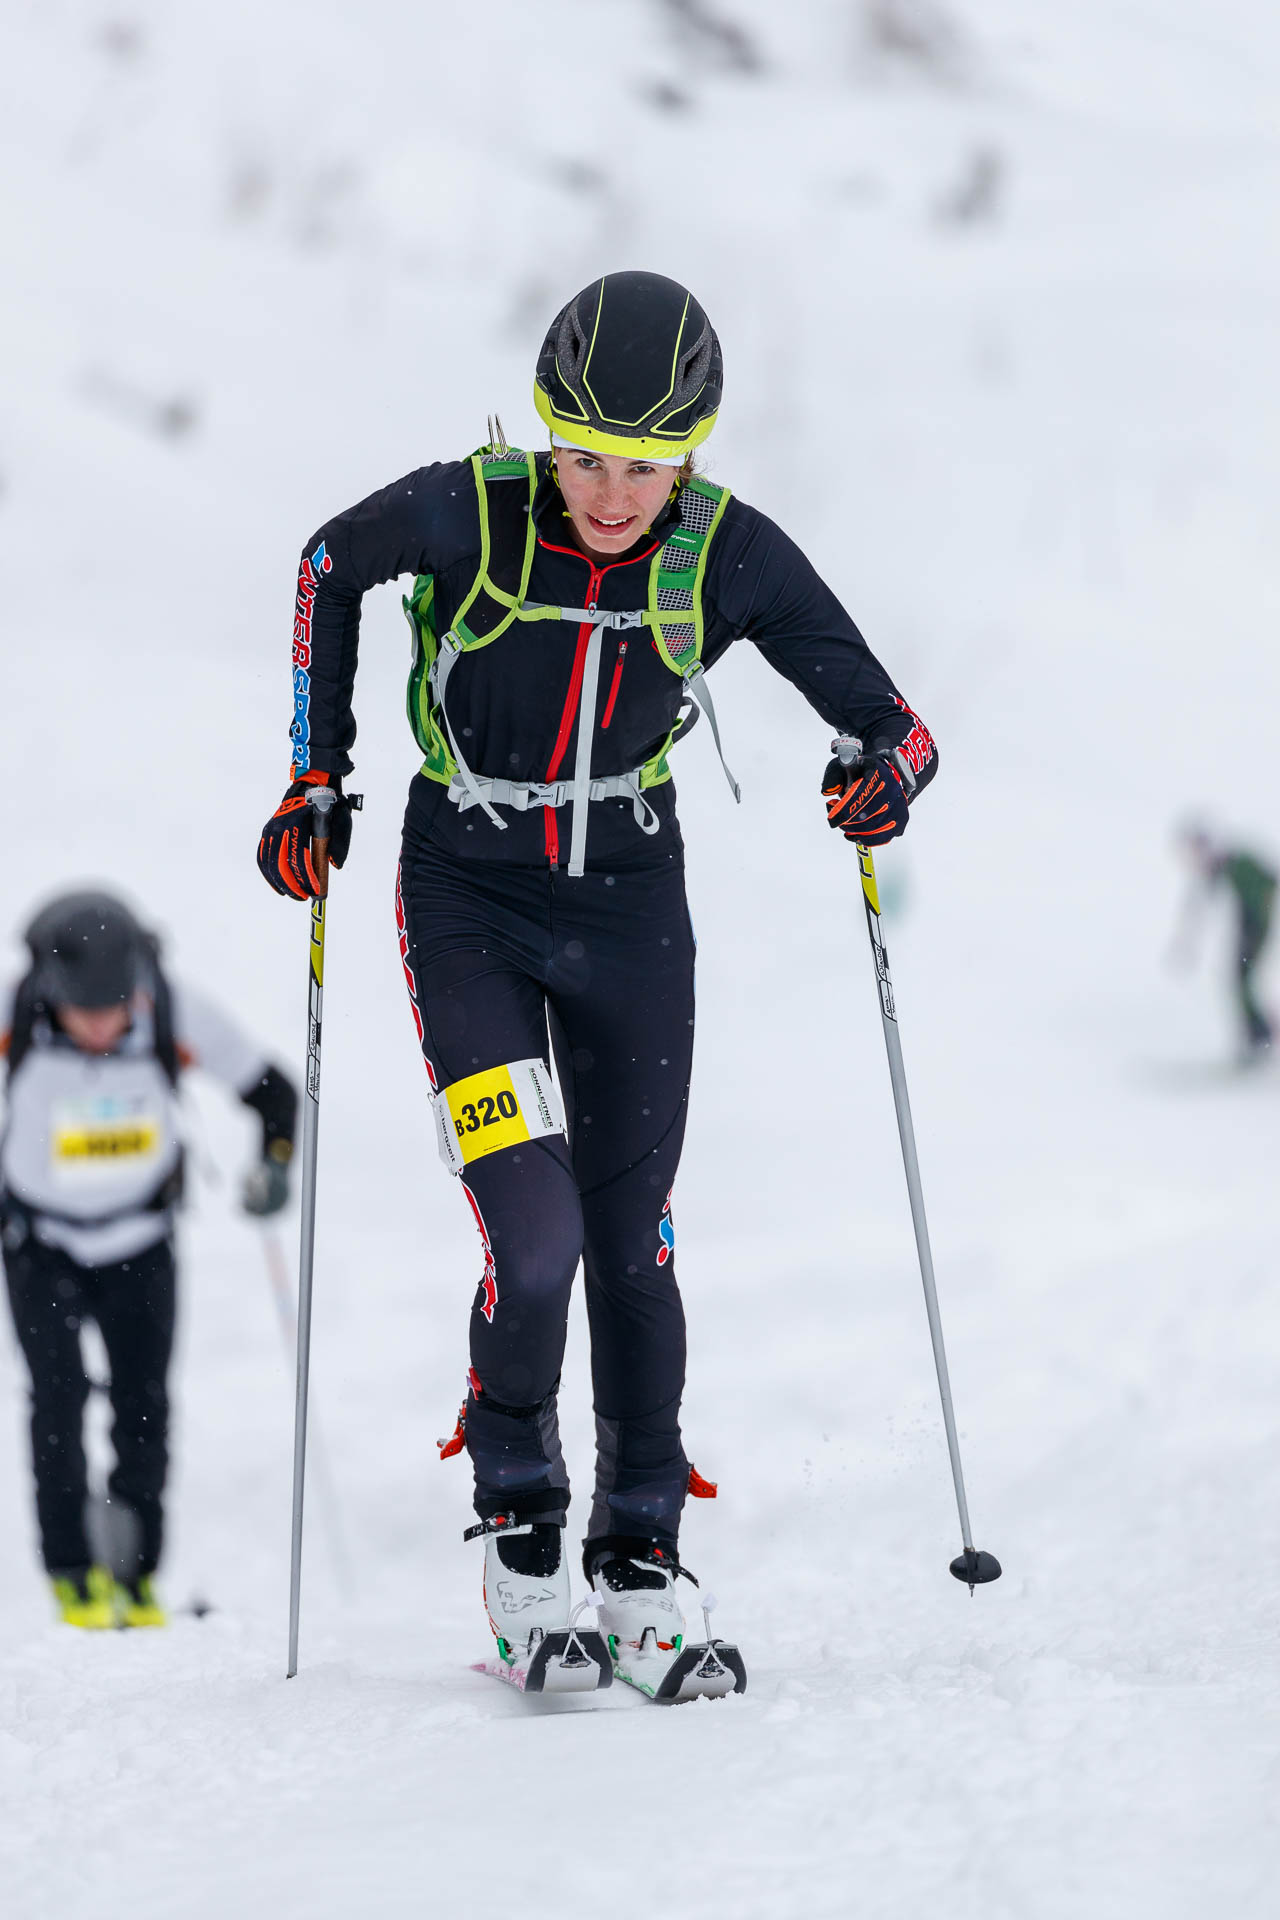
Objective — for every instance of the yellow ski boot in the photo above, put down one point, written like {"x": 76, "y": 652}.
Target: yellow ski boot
{"x": 85, "y": 1599}
{"x": 136, "y": 1603}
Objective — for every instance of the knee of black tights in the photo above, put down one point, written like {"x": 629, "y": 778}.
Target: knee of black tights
{"x": 538, "y": 1270}
{"x": 57, "y": 1393}
{"x": 148, "y": 1400}
{"x": 482, "y": 1397}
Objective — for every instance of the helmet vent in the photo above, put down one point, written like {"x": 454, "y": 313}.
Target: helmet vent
{"x": 571, "y": 348}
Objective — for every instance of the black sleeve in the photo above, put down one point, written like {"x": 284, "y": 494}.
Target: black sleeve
{"x": 765, "y": 590}
{"x": 421, "y": 524}
{"x": 275, "y": 1100}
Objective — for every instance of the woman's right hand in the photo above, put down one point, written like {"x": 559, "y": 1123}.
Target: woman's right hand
{"x": 284, "y": 850}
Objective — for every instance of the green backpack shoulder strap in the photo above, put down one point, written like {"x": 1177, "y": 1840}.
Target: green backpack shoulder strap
{"x": 675, "y": 604}
{"x": 488, "y": 607}
{"x": 507, "y": 542}
{"x": 677, "y": 574}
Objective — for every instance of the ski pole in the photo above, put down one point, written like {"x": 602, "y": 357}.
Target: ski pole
{"x": 973, "y": 1566}
{"x": 323, "y": 800}
{"x": 277, "y": 1273}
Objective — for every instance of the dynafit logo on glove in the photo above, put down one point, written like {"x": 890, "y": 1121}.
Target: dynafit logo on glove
{"x": 666, "y": 1233}
{"x": 309, "y": 574}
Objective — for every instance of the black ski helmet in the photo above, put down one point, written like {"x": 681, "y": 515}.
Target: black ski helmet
{"x": 87, "y": 950}
{"x": 632, "y": 366}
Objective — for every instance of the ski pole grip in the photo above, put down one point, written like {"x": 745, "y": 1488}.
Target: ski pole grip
{"x": 323, "y": 801}
{"x": 847, "y": 749}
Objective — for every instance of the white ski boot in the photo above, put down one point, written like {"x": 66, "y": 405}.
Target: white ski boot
{"x": 526, "y": 1586}
{"x": 526, "y": 1595}
{"x": 643, "y": 1625}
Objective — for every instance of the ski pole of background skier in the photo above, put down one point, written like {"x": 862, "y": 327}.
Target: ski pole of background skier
{"x": 972, "y": 1566}
{"x": 322, "y": 801}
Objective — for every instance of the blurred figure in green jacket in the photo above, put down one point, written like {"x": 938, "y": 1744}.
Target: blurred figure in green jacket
{"x": 1252, "y": 885}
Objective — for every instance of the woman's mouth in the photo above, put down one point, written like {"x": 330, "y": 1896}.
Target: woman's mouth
{"x": 613, "y": 527}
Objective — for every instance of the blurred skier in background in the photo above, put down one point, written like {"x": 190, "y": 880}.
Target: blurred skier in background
{"x": 1252, "y": 886}
{"x": 97, "y": 1036}
{"x": 566, "y": 606}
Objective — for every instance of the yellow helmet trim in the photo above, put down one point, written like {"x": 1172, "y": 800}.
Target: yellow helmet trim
{"x": 629, "y": 446}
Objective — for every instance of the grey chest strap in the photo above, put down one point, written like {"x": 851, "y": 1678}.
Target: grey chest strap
{"x": 523, "y": 795}
{"x": 590, "y": 616}
{"x": 468, "y": 789}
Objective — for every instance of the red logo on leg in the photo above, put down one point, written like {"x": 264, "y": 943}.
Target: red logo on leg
{"x": 489, "y": 1279}
{"x": 402, "y": 928}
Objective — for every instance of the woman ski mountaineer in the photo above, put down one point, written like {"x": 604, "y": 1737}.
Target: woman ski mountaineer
{"x": 565, "y": 608}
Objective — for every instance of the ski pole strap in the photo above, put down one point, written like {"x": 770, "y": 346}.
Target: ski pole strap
{"x": 323, "y": 800}
{"x": 848, "y": 752}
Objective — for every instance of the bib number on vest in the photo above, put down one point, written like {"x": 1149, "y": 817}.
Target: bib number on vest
{"x": 92, "y": 1134}
{"x": 501, "y": 1107}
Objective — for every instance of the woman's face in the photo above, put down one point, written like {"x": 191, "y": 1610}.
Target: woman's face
{"x": 611, "y": 500}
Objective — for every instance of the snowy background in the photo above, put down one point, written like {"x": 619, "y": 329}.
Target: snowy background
{"x": 997, "y": 288}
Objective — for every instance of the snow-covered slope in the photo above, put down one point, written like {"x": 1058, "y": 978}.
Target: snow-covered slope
{"x": 998, "y": 297}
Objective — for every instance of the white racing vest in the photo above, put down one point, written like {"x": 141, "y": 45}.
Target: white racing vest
{"x": 90, "y": 1140}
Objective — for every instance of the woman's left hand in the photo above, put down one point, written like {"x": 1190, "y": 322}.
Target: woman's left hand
{"x": 866, "y": 801}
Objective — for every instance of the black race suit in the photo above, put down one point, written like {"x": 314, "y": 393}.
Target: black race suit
{"x": 498, "y": 941}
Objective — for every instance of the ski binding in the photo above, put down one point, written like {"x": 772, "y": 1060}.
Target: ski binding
{"x": 668, "y": 1675}
{"x": 701, "y": 1670}
{"x": 574, "y": 1660}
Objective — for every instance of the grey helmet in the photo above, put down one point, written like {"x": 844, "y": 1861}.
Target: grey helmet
{"x": 87, "y": 950}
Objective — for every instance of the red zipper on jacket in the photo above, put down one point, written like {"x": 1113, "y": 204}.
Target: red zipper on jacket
{"x": 572, "y": 699}
{"x": 614, "y": 684}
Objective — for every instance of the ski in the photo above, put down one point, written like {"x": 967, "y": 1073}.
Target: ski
{"x": 706, "y": 1670}
{"x": 575, "y": 1660}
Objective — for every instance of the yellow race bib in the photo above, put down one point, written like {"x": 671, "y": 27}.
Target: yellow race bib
{"x": 127, "y": 1142}
{"x": 500, "y": 1107}
{"x": 105, "y": 1132}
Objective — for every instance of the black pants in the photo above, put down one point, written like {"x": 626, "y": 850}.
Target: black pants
{"x": 133, "y": 1305}
{"x": 1251, "y": 939}
{"x": 494, "y": 957}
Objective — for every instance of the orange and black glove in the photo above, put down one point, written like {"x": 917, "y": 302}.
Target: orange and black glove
{"x": 284, "y": 851}
{"x": 868, "y": 800}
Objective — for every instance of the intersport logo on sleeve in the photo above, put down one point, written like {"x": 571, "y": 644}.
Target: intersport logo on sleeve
{"x": 312, "y": 570}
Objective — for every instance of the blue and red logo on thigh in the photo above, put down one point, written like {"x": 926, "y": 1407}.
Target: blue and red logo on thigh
{"x": 666, "y": 1233}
